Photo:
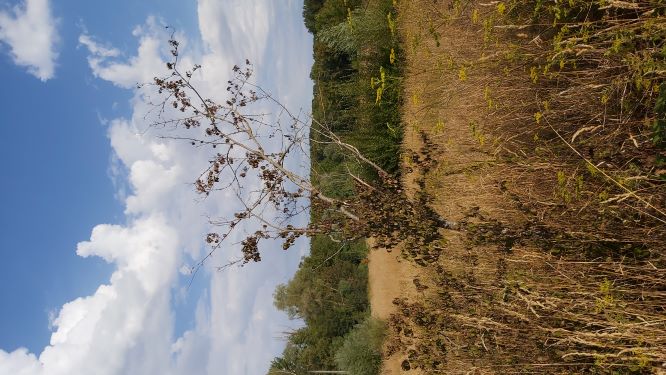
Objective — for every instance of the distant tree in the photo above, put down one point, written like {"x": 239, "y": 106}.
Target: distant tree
{"x": 326, "y": 293}
{"x": 306, "y": 351}
{"x": 331, "y": 12}
{"x": 310, "y": 9}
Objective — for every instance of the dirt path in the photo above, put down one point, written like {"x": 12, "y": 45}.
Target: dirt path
{"x": 458, "y": 183}
{"x": 387, "y": 276}
{"x": 390, "y": 277}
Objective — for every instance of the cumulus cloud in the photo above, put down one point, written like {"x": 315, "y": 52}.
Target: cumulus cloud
{"x": 19, "y": 362}
{"x": 29, "y": 30}
{"x": 241, "y": 26}
{"x": 127, "y": 325}
{"x": 106, "y": 62}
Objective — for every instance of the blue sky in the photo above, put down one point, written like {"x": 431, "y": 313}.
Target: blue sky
{"x": 98, "y": 216}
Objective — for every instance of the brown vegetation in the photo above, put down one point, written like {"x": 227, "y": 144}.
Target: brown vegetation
{"x": 544, "y": 153}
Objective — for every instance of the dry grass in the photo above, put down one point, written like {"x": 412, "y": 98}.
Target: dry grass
{"x": 558, "y": 264}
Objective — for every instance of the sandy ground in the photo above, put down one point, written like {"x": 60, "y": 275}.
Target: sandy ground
{"x": 391, "y": 276}
{"x": 389, "y": 279}
{"x": 459, "y": 181}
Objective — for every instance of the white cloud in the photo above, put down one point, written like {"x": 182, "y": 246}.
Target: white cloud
{"x": 19, "y": 362}
{"x": 127, "y": 325}
{"x": 30, "y": 32}
{"x": 139, "y": 69}
{"x": 97, "y": 334}
{"x": 97, "y": 50}
{"x": 241, "y": 26}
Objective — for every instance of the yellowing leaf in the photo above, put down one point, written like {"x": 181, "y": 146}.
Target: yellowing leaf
{"x": 501, "y": 8}
{"x": 462, "y": 74}
{"x": 475, "y": 16}
{"x": 538, "y": 116}
{"x": 534, "y": 76}
{"x": 439, "y": 127}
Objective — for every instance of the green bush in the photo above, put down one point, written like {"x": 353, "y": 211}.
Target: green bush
{"x": 361, "y": 351}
